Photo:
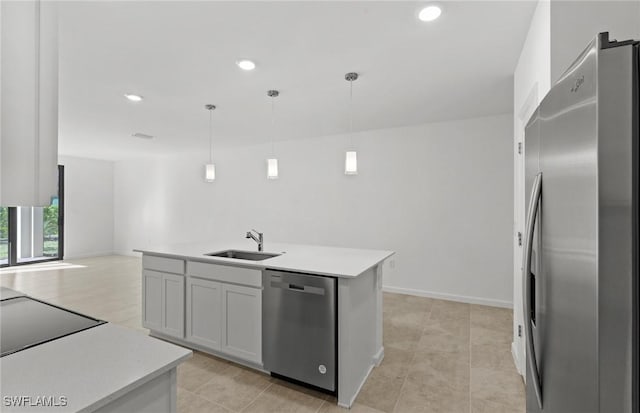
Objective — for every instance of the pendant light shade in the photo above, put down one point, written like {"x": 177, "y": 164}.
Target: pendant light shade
{"x": 351, "y": 163}
{"x": 272, "y": 163}
{"x": 272, "y": 168}
{"x": 210, "y": 168}
{"x": 351, "y": 157}
{"x": 209, "y": 172}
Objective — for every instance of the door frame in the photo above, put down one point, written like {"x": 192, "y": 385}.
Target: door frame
{"x": 12, "y": 256}
{"x": 518, "y": 348}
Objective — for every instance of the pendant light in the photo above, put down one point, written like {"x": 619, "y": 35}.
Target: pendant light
{"x": 351, "y": 157}
{"x": 272, "y": 163}
{"x": 210, "y": 168}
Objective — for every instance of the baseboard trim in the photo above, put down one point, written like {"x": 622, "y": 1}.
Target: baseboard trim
{"x": 450, "y": 297}
{"x": 352, "y": 400}
{"x": 516, "y": 361}
{"x": 89, "y": 255}
{"x": 128, "y": 253}
{"x": 379, "y": 356}
{"x": 219, "y": 354}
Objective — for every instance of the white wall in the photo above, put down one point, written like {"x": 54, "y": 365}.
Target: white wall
{"x": 88, "y": 207}
{"x": 575, "y": 23}
{"x": 438, "y": 194}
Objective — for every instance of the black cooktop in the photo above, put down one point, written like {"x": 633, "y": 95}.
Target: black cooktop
{"x": 26, "y": 322}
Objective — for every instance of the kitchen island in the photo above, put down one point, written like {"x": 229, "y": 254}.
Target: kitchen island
{"x": 214, "y": 303}
{"x": 106, "y": 368}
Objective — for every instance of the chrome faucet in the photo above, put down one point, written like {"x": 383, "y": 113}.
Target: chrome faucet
{"x": 259, "y": 239}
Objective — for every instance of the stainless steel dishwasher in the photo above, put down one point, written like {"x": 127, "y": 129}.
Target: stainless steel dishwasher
{"x": 299, "y": 327}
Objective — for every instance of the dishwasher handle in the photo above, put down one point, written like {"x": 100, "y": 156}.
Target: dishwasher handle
{"x": 298, "y": 288}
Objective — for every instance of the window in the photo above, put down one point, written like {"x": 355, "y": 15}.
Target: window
{"x": 31, "y": 234}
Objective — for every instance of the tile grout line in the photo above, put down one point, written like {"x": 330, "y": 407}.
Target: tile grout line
{"x": 204, "y": 398}
{"x": 201, "y": 386}
{"x": 404, "y": 382}
{"x": 413, "y": 357}
{"x": 256, "y": 398}
{"x": 210, "y": 379}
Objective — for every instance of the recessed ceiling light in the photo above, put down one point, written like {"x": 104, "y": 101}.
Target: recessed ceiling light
{"x": 133, "y": 98}
{"x": 429, "y": 13}
{"x": 245, "y": 64}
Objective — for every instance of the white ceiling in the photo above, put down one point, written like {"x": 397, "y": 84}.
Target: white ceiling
{"x": 181, "y": 55}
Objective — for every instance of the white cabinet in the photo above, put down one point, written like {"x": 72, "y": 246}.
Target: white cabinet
{"x": 242, "y": 322}
{"x": 225, "y": 273}
{"x": 163, "y": 302}
{"x": 163, "y": 264}
{"x": 163, "y": 295}
{"x": 224, "y": 309}
{"x": 152, "y": 300}
{"x": 217, "y": 307}
{"x": 173, "y": 305}
{"x": 204, "y": 312}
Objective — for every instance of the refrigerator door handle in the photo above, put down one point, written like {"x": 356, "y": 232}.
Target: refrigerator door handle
{"x": 534, "y": 203}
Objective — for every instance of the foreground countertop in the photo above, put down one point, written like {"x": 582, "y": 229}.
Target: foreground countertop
{"x": 90, "y": 368}
{"x": 321, "y": 260}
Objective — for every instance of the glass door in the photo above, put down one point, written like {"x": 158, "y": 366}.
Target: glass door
{"x": 4, "y": 236}
{"x": 37, "y": 233}
{"x": 32, "y": 234}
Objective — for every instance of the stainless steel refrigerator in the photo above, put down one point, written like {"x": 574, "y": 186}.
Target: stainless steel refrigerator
{"x": 581, "y": 242}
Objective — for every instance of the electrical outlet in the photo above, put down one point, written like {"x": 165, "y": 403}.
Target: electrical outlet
{"x": 519, "y": 330}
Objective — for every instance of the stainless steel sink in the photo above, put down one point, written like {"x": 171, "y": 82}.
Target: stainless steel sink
{"x": 243, "y": 255}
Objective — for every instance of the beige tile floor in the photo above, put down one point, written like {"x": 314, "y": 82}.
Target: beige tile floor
{"x": 440, "y": 356}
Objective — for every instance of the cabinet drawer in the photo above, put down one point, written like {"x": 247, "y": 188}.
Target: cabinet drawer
{"x": 172, "y": 265}
{"x": 225, "y": 273}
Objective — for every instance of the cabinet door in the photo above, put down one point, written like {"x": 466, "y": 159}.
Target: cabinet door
{"x": 242, "y": 322}
{"x": 152, "y": 300}
{"x": 173, "y": 305}
{"x": 204, "y": 312}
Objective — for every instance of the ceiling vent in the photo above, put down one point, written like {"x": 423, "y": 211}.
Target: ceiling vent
{"x": 142, "y": 135}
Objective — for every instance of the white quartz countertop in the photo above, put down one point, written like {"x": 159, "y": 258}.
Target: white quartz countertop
{"x": 313, "y": 259}
{"x": 89, "y": 368}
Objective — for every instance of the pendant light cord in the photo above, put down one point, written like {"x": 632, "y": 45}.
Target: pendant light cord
{"x": 351, "y": 113}
{"x": 273, "y": 125}
{"x": 210, "y": 136}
